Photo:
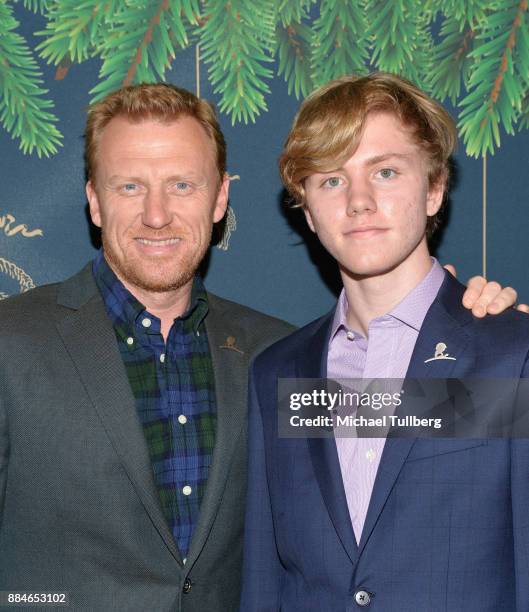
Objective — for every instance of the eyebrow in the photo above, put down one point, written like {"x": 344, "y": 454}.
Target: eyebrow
{"x": 115, "y": 178}
{"x": 372, "y": 161}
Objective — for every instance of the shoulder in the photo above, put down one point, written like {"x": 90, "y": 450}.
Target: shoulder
{"x": 510, "y": 326}
{"x": 309, "y": 338}
{"x": 500, "y": 339}
{"x": 37, "y": 310}
{"x": 508, "y": 329}
{"x": 27, "y": 308}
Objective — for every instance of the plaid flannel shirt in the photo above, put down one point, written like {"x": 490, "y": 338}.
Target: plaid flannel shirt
{"x": 173, "y": 385}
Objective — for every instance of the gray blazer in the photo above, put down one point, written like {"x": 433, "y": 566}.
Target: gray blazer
{"x": 79, "y": 510}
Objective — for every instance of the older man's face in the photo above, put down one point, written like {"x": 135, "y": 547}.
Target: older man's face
{"x": 156, "y": 196}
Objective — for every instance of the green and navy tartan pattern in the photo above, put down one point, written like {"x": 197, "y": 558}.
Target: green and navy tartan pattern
{"x": 175, "y": 395}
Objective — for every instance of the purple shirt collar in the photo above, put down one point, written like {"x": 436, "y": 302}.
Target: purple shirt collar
{"x": 411, "y": 310}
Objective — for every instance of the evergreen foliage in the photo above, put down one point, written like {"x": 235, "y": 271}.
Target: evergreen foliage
{"x": 478, "y": 58}
{"x": 237, "y": 40}
{"x": 24, "y": 108}
{"x": 293, "y": 46}
{"x": 499, "y": 78}
{"x": 339, "y": 41}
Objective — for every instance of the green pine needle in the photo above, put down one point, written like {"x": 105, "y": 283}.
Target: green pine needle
{"x": 339, "y": 40}
{"x": 498, "y": 80}
{"x": 37, "y": 6}
{"x": 24, "y": 109}
{"x": 143, "y": 42}
{"x": 237, "y": 40}
{"x": 401, "y": 40}
{"x": 451, "y": 60}
{"x": 293, "y": 51}
{"x": 75, "y": 29}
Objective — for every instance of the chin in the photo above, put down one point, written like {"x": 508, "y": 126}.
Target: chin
{"x": 365, "y": 267}
{"x": 158, "y": 282}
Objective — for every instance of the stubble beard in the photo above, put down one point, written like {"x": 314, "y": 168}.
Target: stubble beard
{"x": 140, "y": 272}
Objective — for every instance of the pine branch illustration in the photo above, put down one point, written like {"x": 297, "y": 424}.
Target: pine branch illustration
{"x": 293, "y": 47}
{"x": 451, "y": 60}
{"x": 237, "y": 40}
{"x": 24, "y": 109}
{"x": 142, "y": 43}
{"x": 498, "y": 79}
{"x": 339, "y": 41}
{"x": 400, "y": 38}
{"x": 74, "y": 28}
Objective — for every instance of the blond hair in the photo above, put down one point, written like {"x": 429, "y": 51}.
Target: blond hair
{"x": 328, "y": 128}
{"x": 158, "y": 101}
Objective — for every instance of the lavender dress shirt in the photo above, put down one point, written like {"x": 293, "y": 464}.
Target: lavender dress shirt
{"x": 385, "y": 353}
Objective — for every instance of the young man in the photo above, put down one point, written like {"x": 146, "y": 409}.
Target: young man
{"x": 397, "y": 524}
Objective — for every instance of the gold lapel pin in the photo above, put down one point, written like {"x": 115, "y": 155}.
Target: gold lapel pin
{"x": 230, "y": 344}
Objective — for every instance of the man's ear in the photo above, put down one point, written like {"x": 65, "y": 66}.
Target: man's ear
{"x": 93, "y": 204}
{"x": 221, "y": 203}
{"x": 308, "y": 217}
{"x": 436, "y": 193}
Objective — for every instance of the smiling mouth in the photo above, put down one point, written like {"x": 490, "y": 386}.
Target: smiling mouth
{"x": 158, "y": 242}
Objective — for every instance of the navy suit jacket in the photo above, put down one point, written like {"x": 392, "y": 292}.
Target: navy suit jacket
{"x": 448, "y": 523}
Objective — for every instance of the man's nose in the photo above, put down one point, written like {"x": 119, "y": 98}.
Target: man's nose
{"x": 156, "y": 213}
{"x": 360, "y": 199}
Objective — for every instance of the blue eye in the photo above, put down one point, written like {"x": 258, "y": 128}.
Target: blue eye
{"x": 333, "y": 181}
{"x": 181, "y": 186}
{"x": 129, "y": 187}
{"x": 387, "y": 173}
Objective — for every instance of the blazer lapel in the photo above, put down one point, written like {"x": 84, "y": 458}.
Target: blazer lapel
{"x": 323, "y": 453}
{"x": 89, "y": 338}
{"x": 444, "y": 323}
{"x": 230, "y": 365}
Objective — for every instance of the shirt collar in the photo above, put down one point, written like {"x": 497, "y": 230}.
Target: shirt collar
{"x": 411, "y": 310}
{"x": 124, "y": 309}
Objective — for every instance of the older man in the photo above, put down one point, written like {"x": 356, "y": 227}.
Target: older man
{"x": 123, "y": 389}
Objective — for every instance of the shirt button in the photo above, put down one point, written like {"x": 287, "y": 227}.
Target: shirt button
{"x": 362, "y": 598}
{"x": 371, "y": 455}
{"x": 130, "y": 341}
{"x": 182, "y": 419}
{"x": 350, "y": 335}
{"x": 146, "y": 322}
{"x": 198, "y": 333}
{"x": 162, "y": 358}
{"x": 187, "y": 490}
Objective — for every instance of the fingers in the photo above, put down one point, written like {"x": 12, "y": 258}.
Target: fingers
{"x": 487, "y": 298}
{"x": 523, "y": 308}
{"x": 451, "y": 269}
{"x": 474, "y": 289}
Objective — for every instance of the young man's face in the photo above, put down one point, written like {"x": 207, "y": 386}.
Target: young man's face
{"x": 371, "y": 213}
{"x": 156, "y": 197}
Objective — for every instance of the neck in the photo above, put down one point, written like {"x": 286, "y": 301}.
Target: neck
{"x": 370, "y": 297}
{"x": 166, "y": 306}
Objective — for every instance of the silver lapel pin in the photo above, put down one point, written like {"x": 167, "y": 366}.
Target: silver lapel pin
{"x": 440, "y": 349}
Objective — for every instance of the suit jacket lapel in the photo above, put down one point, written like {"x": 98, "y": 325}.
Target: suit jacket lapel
{"x": 323, "y": 453}
{"x": 230, "y": 364}
{"x": 89, "y": 338}
{"x": 444, "y": 323}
